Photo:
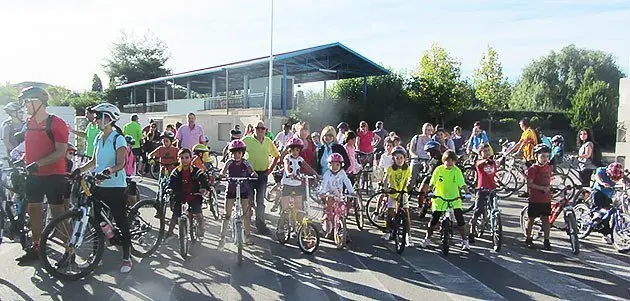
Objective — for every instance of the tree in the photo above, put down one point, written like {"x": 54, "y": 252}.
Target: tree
{"x": 97, "y": 84}
{"x": 8, "y": 93}
{"x": 59, "y": 96}
{"x": 491, "y": 87}
{"x": 80, "y": 101}
{"x": 592, "y": 106}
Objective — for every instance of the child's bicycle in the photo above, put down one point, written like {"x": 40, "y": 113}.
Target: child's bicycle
{"x": 446, "y": 222}
{"x": 491, "y": 219}
{"x": 210, "y": 200}
{"x": 237, "y": 227}
{"x": 398, "y": 226}
{"x": 187, "y": 225}
{"x": 288, "y": 223}
{"x": 570, "y": 223}
{"x": 335, "y": 220}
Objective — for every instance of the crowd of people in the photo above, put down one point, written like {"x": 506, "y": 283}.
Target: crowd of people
{"x": 334, "y": 155}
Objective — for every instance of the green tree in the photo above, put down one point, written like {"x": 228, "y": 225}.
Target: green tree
{"x": 592, "y": 106}
{"x": 59, "y": 96}
{"x": 491, "y": 86}
{"x": 80, "y": 101}
{"x": 97, "y": 84}
{"x": 8, "y": 93}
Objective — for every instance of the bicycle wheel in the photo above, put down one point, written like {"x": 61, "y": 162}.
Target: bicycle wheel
{"x": 283, "y": 230}
{"x": 359, "y": 213}
{"x": 583, "y": 219}
{"x": 497, "y": 231}
{"x": 482, "y": 222}
{"x": 399, "y": 231}
{"x": 573, "y": 232}
{"x": 154, "y": 170}
{"x": 445, "y": 236}
{"x": 376, "y": 210}
{"x": 308, "y": 238}
{"x": 146, "y": 227}
{"x": 562, "y": 184}
{"x": 182, "y": 223}
{"x": 340, "y": 232}
{"x": 506, "y": 183}
{"x": 213, "y": 204}
{"x": 82, "y": 260}
{"x": 193, "y": 228}
{"x": 470, "y": 175}
{"x": 238, "y": 231}
{"x": 524, "y": 220}
{"x": 621, "y": 232}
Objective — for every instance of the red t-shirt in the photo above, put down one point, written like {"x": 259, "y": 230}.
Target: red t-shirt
{"x": 187, "y": 185}
{"x": 308, "y": 153}
{"x": 365, "y": 141}
{"x": 167, "y": 155}
{"x": 485, "y": 175}
{"x": 541, "y": 175}
{"x": 37, "y": 145}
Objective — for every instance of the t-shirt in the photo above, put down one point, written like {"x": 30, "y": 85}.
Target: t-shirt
{"x": 386, "y": 161}
{"x": 382, "y": 133}
{"x": 608, "y": 191}
{"x": 351, "y": 151}
{"x": 476, "y": 141}
{"x": 365, "y": 141}
{"x": 334, "y": 183}
{"x": 37, "y": 145}
{"x": 133, "y": 129}
{"x": 258, "y": 153}
{"x": 188, "y": 186}
{"x": 308, "y": 153}
{"x": 420, "y": 141}
{"x": 458, "y": 143}
{"x": 397, "y": 179}
{"x": 341, "y": 138}
{"x": 529, "y": 138}
{"x": 324, "y": 159}
{"x": 540, "y": 175}
{"x": 167, "y": 155}
{"x": 294, "y": 169}
{"x": 239, "y": 169}
{"x": 198, "y": 162}
{"x": 9, "y": 129}
{"x": 282, "y": 139}
{"x": 485, "y": 175}
{"x": 447, "y": 183}
{"x": 189, "y": 137}
{"x": 91, "y": 131}
{"x": 105, "y": 156}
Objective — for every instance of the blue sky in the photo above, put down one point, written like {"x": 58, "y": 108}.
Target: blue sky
{"x": 65, "y": 42}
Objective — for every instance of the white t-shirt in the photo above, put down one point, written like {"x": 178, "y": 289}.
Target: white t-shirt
{"x": 386, "y": 161}
{"x": 341, "y": 137}
{"x": 294, "y": 170}
{"x": 334, "y": 183}
{"x": 282, "y": 139}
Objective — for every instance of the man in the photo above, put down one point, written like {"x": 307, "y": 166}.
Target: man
{"x": 382, "y": 133}
{"x": 281, "y": 139}
{"x": 134, "y": 129}
{"x": 417, "y": 152}
{"x": 526, "y": 144}
{"x": 259, "y": 149}
{"x": 45, "y": 151}
{"x": 190, "y": 134}
{"x": 12, "y": 125}
{"x": 90, "y": 133}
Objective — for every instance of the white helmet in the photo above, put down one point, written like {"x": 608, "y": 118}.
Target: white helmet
{"x": 12, "y": 107}
{"x": 107, "y": 108}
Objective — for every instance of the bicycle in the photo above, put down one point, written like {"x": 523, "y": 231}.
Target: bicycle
{"x": 13, "y": 208}
{"x": 163, "y": 180}
{"x": 570, "y": 224}
{"x": 364, "y": 177}
{"x": 335, "y": 220}
{"x": 66, "y": 236}
{"x": 446, "y": 222}
{"x": 491, "y": 218}
{"x": 187, "y": 225}
{"x": 399, "y": 226}
{"x": 288, "y": 223}
{"x": 237, "y": 226}
{"x": 211, "y": 199}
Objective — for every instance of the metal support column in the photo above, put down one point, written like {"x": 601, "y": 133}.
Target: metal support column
{"x": 214, "y": 86}
{"x": 284, "y": 90}
{"x": 245, "y": 91}
{"x": 325, "y": 93}
{"x": 165, "y": 90}
{"x": 227, "y": 101}
{"x": 364, "y": 88}
{"x": 154, "y": 93}
{"x": 188, "y": 89}
{"x": 148, "y": 95}
{"x": 131, "y": 96}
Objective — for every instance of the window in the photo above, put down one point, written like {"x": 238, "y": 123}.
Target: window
{"x": 224, "y": 131}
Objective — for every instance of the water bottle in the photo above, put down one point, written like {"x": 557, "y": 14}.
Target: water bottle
{"x": 107, "y": 229}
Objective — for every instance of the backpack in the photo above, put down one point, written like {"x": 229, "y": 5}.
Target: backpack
{"x": 116, "y": 135}
{"x": 47, "y": 129}
{"x": 597, "y": 157}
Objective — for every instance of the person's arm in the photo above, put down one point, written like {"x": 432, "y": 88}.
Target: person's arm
{"x": 600, "y": 180}
{"x": 412, "y": 146}
{"x": 348, "y": 184}
{"x": 376, "y": 140}
{"x": 589, "y": 151}
{"x": 308, "y": 168}
{"x": 153, "y": 153}
{"x": 273, "y": 150}
{"x": 226, "y": 167}
{"x": 324, "y": 185}
{"x": 531, "y": 175}
{"x": 121, "y": 153}
{"x": 81, "y": 134}
{"x": 201, "y": 141}
{"x": 344, "y": 154}
{"x": 60, "y": 135}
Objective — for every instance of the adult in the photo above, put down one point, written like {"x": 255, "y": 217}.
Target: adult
{"x": 12, "y": 125}
{"x": 316, "y": 139}
{"x": 152, "y": 139}
{"x": 417, "y": 153}
{"x": 259, "y": 150}
{"x": 250, "y": 130}
{"x": 527, "y": 142}
{"x": 283, "y": 137}
{"x": 134, "y": 129}
{"x": 585, "y": 144}
{"x": 329, "y": 146}
{"x": 147, "y": 129}
{"x": 381, "y": 133}
{"x": 458, "y": 140}
{"x": 109, "y": 160}
{"x": 366, "y": 139}
{"x": 90, "y": 133}
{"x": 45, "y": 142}
{"x": 309, "y": 150}
{"x": 343, "y": 128}
{"x": 190, "y": 134}
{"x": 476, "y": 140}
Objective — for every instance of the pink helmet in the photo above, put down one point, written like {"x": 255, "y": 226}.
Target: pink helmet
{"x": 237, "y": 145}
{"x": 335, "y": 157}
{"x": 615, "y": 171}
{"x": 295, "y": 141}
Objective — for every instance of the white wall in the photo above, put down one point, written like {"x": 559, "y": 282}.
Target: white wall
{"x": 184, "y": 106}
{"x": 622, "y": 146}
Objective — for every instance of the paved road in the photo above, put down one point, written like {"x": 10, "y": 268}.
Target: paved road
{"x": 369, "y": 270}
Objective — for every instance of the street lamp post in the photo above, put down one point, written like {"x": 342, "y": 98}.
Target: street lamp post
{"x": 270, "y": 68}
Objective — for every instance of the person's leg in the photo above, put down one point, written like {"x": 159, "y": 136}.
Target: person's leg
{"x": 259, "y": 189}
{"x": 177, "y": 212}
{"x": 247, "y": 215}
{"x": 114, "y": 197}
{"x": 35, "y": 191}
{"x": 461, "y": 223}
{"x": 229, "y": 204}
{"x": 480, "y": 207}
{"x": 195, "y": 209}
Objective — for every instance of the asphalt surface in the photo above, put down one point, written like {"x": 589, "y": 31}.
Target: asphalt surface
{"x": 368, "y": 270}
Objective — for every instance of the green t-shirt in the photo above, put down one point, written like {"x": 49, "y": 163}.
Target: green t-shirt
{"x": 446, "y": 183}
{"x": 134, "y": 130}
{"x": 91, "y": 131}
{"x": 257, "y": 154}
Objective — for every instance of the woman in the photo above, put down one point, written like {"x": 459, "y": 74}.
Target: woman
{"x": 330, "y": 146}
{"x": 110, "y": 162}
{"x": 366, "y": 139}
{"x": 442, "y": 137}
{"x": 308, "y": 151}
{"x": 458, "y": 140}
{"x": 585, "y": 145}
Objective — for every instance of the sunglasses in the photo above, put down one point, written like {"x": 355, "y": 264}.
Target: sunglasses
{"x": 261, "y": 128}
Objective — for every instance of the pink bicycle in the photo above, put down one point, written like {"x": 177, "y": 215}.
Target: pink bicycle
{"x": 335, "y": 219}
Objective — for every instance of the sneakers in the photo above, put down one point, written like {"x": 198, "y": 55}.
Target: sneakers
{"x": 386, "y": 236}
{"x": 471, "y": 238}
{"x": 529, "y": 242}
{"x": 607, "y": 240}
{"x": 32, "y": 254}
{"x": 546, "y": 245}
{"x": 409, "y": 241}
{"x": 465, "y": 245}
{"x": 126, "y": 266}
{"x": 426, "y": 242}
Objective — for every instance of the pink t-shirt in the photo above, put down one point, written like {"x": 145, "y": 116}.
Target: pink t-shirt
{"x": 189, "y": 137}
{"x": 365, "y": 141}
{"x": 130, "y": 165}
{"x": 352, "y": 169}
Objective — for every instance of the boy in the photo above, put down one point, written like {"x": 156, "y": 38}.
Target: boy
{"x": 602, "y": 193}
{"x": 447, "y": 180}
{"x": 187, "y": 183}
{"x": 167, "y": 153}
{"x": 486, "y": 170}
{"x": 386, "y": 159}
{"x": 539, "y": 199}
{"x": 200, "y": 152}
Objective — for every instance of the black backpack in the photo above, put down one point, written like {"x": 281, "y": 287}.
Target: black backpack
{"x": 597, "y": 157}
{"x": 47, "y": 129}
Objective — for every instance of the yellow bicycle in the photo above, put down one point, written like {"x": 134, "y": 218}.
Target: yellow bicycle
{"x": 289, "y": 223}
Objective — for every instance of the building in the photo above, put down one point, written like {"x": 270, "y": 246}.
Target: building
{"x": 622, "y": 147}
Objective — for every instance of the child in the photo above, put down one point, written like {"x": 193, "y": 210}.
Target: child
{"x": 70, "y": 152}
{"x": 386, "y": 159}
{"x": 486, "y": 170}
{"x": 237, "y": 167}
{"x": 433, "y": 150}
{"x": 602, "y": 193}
{"x": 397, "y": 177}
{"x": 200, "y": 151}
{"x": 167, "y": 153}
{"x": 557, "y": 149}
{"x": 130, "y": 170}
{"x": 187, "y": 183}
{"x": 539, "y": 188}
{"x": 333, "y": 183}
{"x": 350, "y": 141}
{"x": 447, "y": 180}
{"x": 294, "y": 164}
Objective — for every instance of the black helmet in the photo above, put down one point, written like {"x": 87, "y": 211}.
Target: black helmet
{"x": 130, "y": 140}
{"x": 542, "y": 148}
{"x": 557, "y": 138}
{"x": 33, "y": 92}
{"x": 343, "y": 125}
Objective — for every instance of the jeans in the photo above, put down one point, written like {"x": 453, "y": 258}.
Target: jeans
{"x": 259, "y": 188}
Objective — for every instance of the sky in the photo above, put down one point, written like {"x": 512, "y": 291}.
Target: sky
{"x": 66, "y": 42}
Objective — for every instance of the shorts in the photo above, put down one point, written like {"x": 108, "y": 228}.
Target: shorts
{"x": 67, "y": 191}
{"x": 459, "y": 217}
{"x": 600, "y": 199}
{"x": 232, "y": 194}
{"x": 393, "y": 202}
{"x": 297, "y": 190}
{"x": 52, "y": 187}
{"x": 138, "y": 152}
{"x": 535, "y": 210}
{"x": 194, "y": 207}
{"x": 481, "y": 202}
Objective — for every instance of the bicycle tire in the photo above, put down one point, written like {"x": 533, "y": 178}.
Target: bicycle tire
{"x": 445, "y": 236}
{"x": 239, "y": 242}
{"x": 617, "y": 236}
{"x": 340, "y": 232}
{"x": 213, "y": 204}
{"x": 506, "y": 181}
{"x": 524, "y": 219}
{"x": 583, "y": 220}
{"x": 183, "y": 239}
{"x": 283, "y": 230}
{"x": 134, "y": 212}
{"x": 193, "y": 229}
{"x": 399, "y": 230}
{"x": 308, "y": 231}
{"x": 573, "y": 233}
{"x": 359, "y": 213}
{"x": 375, "y": 198}
{"x": 98, "y": 246}
{"x": 481, "y": 224}
{"x": 497, "y": 231}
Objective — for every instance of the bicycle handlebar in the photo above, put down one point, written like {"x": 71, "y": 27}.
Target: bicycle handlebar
{"x": 237, "y": 179}
{"x": 433, "y": 196}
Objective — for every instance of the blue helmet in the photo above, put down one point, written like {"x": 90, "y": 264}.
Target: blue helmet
{"x": 432, "y": 145}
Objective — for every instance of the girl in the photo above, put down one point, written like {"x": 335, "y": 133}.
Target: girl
{"x": 237, "y": 167}
{"x": 397, "y": 177}
{"x": 167, "y": 153}
{"x": 350, "y": 146}
{"x": 585, "y": 144}
{"x": 294, "y": 164}
{"x": 335, "y": 179}
{"x": 130, "y": 170}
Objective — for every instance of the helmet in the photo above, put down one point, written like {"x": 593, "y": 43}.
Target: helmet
{"x": 130, "y": 140}
{"x": 108, "y": 109}
{"x": 200, "y": 148}
{"x": 557, "y": 138}
{"x": 503, "y": 141}
{"x": 343, "y": 125}
{"x": 615, "y": 171}
{"x": 168, "y": 135}
{"x": 295, "y": 141}
{"x": 400, "y": 150}
{"x": 542, "y": 148}
{"x": 12, "y": 107}
{"x": 236, "y": 145}
{"x": 335, "y": 157}
{"x": 314, "y": 134}
{"x": 206, "y": 139}
{"x": 33, "y": 92}
{"x": 432, "y": 145}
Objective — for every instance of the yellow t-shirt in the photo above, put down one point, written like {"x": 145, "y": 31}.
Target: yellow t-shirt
{"x": 397, "y": 179}
{"x": 529, "y": 138}
{"x": 258, "y": 154}
{"x": 446, "y": 183}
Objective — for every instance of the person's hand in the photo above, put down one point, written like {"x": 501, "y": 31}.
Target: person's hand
{"x": 203, "y": 191}
{"x": 75, "y": 174}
